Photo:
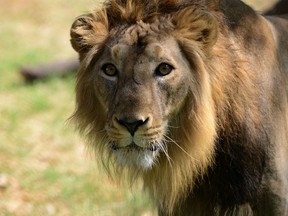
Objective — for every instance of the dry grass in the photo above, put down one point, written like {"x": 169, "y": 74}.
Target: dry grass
{"x": 260, "y": 5}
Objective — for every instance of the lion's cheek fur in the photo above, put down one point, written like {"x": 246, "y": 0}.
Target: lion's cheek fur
{"x": 196, "y": 134}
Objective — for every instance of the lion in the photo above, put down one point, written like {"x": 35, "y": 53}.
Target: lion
{"x": 191, "y": 97}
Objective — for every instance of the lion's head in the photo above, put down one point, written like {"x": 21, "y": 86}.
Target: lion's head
{"x": 145, "y": 97}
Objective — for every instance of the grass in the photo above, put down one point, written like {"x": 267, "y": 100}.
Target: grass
{"x": 44, "y": 169}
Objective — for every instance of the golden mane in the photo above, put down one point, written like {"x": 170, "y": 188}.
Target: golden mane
{"x": 220, "y": 102}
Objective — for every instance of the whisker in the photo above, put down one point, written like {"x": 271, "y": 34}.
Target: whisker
{"x": 175, "y": 127}
{"x": 163, "y": 147}
{"x": 173, "y": 141}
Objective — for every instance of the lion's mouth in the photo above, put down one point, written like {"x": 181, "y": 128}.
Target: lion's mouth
{"x": 133, "y": 146}
{"x": 133, "y": 155}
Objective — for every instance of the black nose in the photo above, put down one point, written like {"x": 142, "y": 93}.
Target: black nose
{"x": 131, "y": 125}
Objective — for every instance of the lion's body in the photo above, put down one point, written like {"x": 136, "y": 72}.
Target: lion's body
{"x": 192, "y": 97}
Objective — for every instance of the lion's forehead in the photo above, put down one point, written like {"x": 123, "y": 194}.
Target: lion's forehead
{"x": 153, "y": 51}
{"x": 141, "y": 39}
{"x": 143, "y": 33}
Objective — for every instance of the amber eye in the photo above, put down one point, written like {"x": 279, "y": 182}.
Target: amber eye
{"x": 164, "y": 69}
{"x": 110, "y": 70}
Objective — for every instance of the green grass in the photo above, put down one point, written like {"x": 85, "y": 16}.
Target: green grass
{"x": 47, "y": 169}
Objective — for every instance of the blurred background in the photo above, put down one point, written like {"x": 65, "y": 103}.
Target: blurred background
{"x": 44, "y": 168}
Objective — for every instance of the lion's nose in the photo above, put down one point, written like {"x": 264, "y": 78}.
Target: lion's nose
{"x": 132, "y": 125}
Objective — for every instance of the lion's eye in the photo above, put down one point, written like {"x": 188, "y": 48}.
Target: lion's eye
{"x": 164, "y": 69}
{"x": 110, "y": 70}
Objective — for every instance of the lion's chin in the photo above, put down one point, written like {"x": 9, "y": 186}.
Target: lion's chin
{"x": 136, "y": 157}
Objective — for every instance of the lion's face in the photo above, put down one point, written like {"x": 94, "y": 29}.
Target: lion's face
{"x": 141, "y": 87}
{"x": 142, "y": 92}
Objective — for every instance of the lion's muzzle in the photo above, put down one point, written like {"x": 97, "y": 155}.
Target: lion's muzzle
{"x": 132, "y": 125}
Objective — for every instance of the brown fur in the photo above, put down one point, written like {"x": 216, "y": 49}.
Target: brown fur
{"x": 228, "y": 126}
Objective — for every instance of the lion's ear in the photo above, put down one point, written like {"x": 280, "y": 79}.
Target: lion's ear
{"x": 88, "y": 31}
{"x": 196, "y": 24}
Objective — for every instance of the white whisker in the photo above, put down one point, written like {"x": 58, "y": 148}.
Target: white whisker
{"x": 163, "y": 147}
{"x": 175, "y": 127}
{"x": 173, "y": 141}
